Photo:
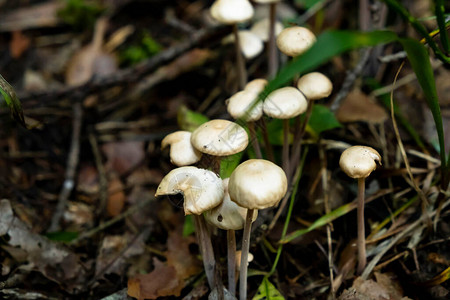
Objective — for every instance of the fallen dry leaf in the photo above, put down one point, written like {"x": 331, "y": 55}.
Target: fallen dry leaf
{"x": 116, "y": 197}
{"x": 50, "y": 259}
{"x": 370, "y": 290}
{"x": 358, "y": 107}
{"x": 122, "y": 157}
{"x": 162, "y": 281}
{"x": 19, "y": 44}
{"x": 179, "y": 256}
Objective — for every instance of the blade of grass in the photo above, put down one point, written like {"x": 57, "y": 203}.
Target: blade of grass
{"x": 12, "y": 101}
{"x": 440, "y": 12}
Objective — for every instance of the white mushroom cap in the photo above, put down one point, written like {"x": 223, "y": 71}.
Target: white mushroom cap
{"x": 202, "y": 189}
{"x": 232, "y": 11}
{"x": 256, "y": 85}
{"x": 261, "y": 29}
{"x": 219, "y": 138}
{"x": 315, "y": 86}
{"x": 228, "y": 215}
{"x": 242, "y": 105}
{"x": 251, "y": 45}
{"x": 182, "y": 153}
{"x": 257, "y": 184}
{"x": 285, "y": 103}
{"x": 293, "y": 41}
{"x": 359, "y": 161}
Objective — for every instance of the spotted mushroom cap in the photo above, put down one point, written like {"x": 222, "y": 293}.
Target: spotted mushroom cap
{"x": 219, "y": 138}
{"x": 231, "y": 11}
{"x": 359, "y": 161}
{"x": 228, "y": 215}
{"x": 315, "y": 86}
{"x": 295, "y": 40}
{"x": 257, "y": 184}
{"x": 285, "y": 103}
{"x": 182, "y": 153}
{"x": 202, "y": 189}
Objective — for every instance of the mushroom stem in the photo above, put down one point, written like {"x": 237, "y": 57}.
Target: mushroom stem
{"x": 244, "y": 256}
{"x": 272, "y": 49}
{"x": 231, "y": 245}
{"x": 254, "y": 139}
{"x": 285, "y": 154}
{"x": 361, "y": 242}
{"x": 242, "y": 73}
{"x": 299, "y": 133}
{"x": 204, "y": 240}
{"x": 267, "y": 144}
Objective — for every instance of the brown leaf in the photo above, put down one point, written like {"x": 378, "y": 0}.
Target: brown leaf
{"x": 122, "y": 157}
{"x": 179, "y": 256}
{"x": 161, "y": 282}
{"x": 19, "y": 44}
{"x": 370, "y": 290}
{"x": 358, "y": 107}
{"x": 116, "y": 198}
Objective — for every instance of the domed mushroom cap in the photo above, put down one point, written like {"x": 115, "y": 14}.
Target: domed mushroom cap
{"x": 257, "y": 184}
{"x": 219, "y": 138}
{"x": 202, "y": 189}
{"x": 228, "y": 215}
{"x": 231, "y": 11}
{"x": 295, "y": 40}
{"x": 262, "y": 27}
{"x": 285, "y": 103}
{"x": 245, "y": 105}
{"x": 256, "y": 85}
{"x": 182, "y": 153}
{"x": 359, "y": 161}
{"x": 315, "y": 86}
{"x": 251, "y": 45}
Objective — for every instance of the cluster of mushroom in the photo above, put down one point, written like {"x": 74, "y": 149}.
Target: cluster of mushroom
{"x": 230, "y": 204}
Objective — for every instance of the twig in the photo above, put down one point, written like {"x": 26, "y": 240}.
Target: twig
{"x": 103, "y": 194}
{"x": 72, "y": 163}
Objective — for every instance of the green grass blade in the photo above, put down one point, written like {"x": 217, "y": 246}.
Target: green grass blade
{"x": 420, "y": 62}
{"x": 328, "y": 45}
{"x": 440, "y": 17}
{"x": 12, "y": 101}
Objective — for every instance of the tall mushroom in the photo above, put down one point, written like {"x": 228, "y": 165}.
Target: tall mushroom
{"x": 231, "y": 12}
{"x": 202, "y": 190}
{"x": 285, "y": 103}
{"x": 230, "y": 217}
{"x": 358, "y": 162}
{"x": 255, "y": 184}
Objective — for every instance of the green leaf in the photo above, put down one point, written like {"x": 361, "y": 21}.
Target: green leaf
{"x": 229, "y": 163}
{"x": 322, "y": 221}
{"x": 322, "y": 119}
{"x": 62, "y": 236}
{"x": 439, "y": 8}
{"x": 267, "y": 291}
{"x": 420, "y": 61}
{"x": 188, "y": 226}
{"x": 307, "y": 4}
{"x": 10, "y": 97}
{"x": 189, "y": 120}
{"x": 329, "y": 44}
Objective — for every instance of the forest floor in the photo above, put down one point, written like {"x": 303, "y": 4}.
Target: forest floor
{"x": 103, "y": 82}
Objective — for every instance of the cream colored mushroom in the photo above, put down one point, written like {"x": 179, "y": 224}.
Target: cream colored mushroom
{"x": 285, "y": 103}
{"x": 232, "y": 11}
{"x": 182, "y": 153}
{"x": 315, "y": 86}
{"x": 245, "y": 105}
{"x": 256, "y": 85}
{"x": 295, "y": 40}
{"x": 261, "y": 29}
{"x": 251, "y": 45}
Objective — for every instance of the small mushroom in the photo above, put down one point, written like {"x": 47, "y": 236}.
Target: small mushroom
{"x": 295, "y": 40}
{"x": 255, "y": 184}
{"x": 358, "y": 162}
{"x": 182, "y": 153}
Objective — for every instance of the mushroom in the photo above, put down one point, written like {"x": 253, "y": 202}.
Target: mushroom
{"x": 314, "y": 86}
{"x": 230, "y": 217}
{"x": 271, "y": 31}
{"x": 358, "y": 162}
{"x": 202, "y": 190}
{"x": 251, "y": 44}
{"x": 295, "y": 40}
{"x": 285, "y": 103}
{"x": 231, "y": 12}
{"x": 219, "y": 138}
{"x": 255, "y": 184}
{"x": 182, "y": 153}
